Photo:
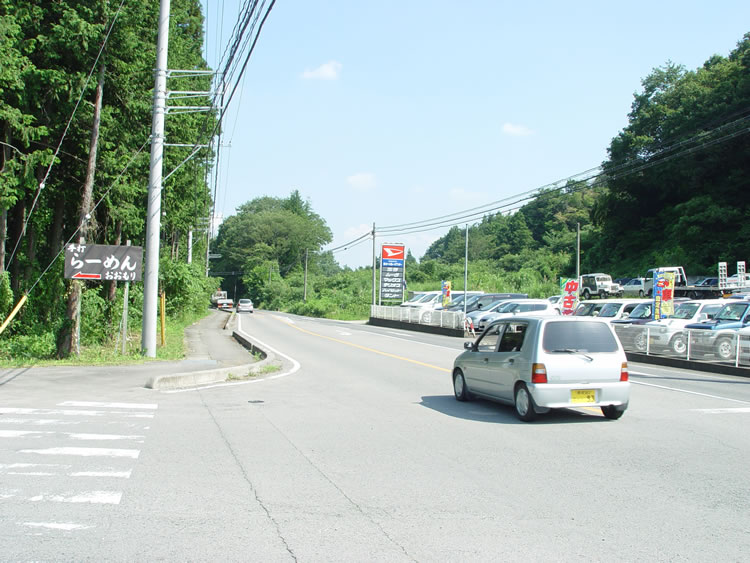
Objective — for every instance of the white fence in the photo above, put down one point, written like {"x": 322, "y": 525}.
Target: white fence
{"x": 442, "y": 319}
{"x": 713, "y": 346}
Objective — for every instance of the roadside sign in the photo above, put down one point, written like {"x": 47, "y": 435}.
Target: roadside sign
{"x": 103, "y": 262}
{"x": 213, "y": 256}
{"x": 392, "y": 278}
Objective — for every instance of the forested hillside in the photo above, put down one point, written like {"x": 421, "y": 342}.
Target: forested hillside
{"x": 76, "y": 92}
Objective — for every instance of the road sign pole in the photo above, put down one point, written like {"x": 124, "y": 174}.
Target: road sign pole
{"x": 125, "y": 314}
{"x": 153, "y": 218}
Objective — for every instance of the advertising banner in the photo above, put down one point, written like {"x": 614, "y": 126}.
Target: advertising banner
{"x": 569, "y": 295}
{"x": 392, "y": 272}
{"x": 103, "y": 262}
{"x": 663, "y": 295}
{"x": 446, "y": 287}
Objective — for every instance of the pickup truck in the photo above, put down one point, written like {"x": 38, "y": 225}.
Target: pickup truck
{"x": 681, "y": 287}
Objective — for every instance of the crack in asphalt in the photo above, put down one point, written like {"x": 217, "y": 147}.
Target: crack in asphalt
{"x": 340, "y": 490}
{"x": 247, "y": 479}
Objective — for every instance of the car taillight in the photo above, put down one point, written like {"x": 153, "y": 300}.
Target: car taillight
{"x": 624, "y": 371}
{"x": 538, "y": 373}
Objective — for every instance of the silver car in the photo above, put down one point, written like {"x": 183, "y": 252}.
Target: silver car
{"x": 542, "y": 363}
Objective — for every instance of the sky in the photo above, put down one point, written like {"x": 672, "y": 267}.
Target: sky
{"x": 395, "y": 112}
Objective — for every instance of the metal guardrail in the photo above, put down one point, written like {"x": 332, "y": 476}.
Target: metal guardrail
{"x": 414, "y": 315}
{"x": 727, "y": 347}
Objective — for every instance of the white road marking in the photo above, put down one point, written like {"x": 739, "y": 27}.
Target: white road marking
{"x": 724, "y": 411}
{"x": 30, "y": 465}
{"x": 344, "y": 333}
{"x": 295, "y": 366}
{"x": 92, "y": 497}
{"x": 150, "y": 406}
{"x": 67, "y": 526}
{"x": 86, "y": 452}
{"x": 70, "y": 435}
{"x": 126, "y": 414}
{"x": 117, "y": 474}
{"x": 689, "y": 392}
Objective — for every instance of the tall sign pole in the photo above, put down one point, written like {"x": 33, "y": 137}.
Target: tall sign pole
{"x": 153, "y": 217}
{"x": 373, "y": 263}
{"x": 466, "y": 269}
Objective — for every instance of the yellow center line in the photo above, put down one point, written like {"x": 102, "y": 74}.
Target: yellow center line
{"x": 373, "y": 350}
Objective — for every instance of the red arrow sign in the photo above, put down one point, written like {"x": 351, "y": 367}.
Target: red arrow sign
{"x": 82, "y": 276}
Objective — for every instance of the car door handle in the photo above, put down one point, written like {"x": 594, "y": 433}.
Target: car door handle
{"x": 486, "y": 360}
{"x": 511, "y": 360}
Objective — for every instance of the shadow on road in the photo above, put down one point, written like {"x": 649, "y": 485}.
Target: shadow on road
{"x": 480, "y": 410}
{"x": 8, "y": 375}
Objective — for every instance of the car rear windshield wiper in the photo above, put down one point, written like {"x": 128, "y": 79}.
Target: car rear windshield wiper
{"x": 573, "y": 351}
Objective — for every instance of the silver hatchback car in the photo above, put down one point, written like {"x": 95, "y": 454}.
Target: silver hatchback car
{"x": 542, "y": 363}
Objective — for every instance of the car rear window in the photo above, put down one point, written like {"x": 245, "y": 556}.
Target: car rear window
{"x": 583, "y": 336}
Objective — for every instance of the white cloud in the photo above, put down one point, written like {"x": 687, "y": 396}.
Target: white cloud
{"x": 327, "y": 71}
{"x": 516, "y": 130}
{"x": 362, "y": 181}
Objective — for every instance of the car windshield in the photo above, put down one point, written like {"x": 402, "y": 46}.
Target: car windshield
{"x": 494, "y": 305}
{"x": 686, "y": 311}
{"x": 635, "y": 282}
{"x": 642, "y": 311}
{"x": 507, "y": 308}
{"x": 610, "y": 310}
{"x": 414, "y": 298}
{"x": 588, "y": 309}
{"x": 733, "y": 312}
{"x": 583, "y": 336}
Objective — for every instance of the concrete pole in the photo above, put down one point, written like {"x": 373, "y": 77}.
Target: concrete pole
{"x": 125, "y": 314}
{"x": 466, "y": 269}
{"x": 190, "y": 246}
{"x": 304, "y": 295}
{"x": 153, "y": 217}
{"x": 373, "y": 263}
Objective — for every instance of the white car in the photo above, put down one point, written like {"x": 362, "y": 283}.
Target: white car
{"x": 612, "y": 310}
{"x": 517, "y": 307}
{"x": 543, "y": 363}
{"x": 420, "y": 297}
{"x": 667, "y": 334}
{"x": 635, "y": 288}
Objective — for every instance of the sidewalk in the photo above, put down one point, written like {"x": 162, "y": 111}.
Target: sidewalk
{"x": 210, "y": 351}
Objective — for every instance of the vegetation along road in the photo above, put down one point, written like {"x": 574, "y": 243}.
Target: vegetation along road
{"x": 357, "y": 450}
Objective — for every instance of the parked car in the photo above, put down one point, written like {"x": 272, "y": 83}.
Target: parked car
{"x": 225, "y": 304}
{"x": 708, "y": 282}
{"x": 599, "y": 284}
{"x": 629, "y": 329}
{"x": 422, "y": 298}
{"x": 517, "y": 307}
{"x": 540, "y": 363}
{"x": 457, "y": 300}
{"x": 477, "y": 315}
{"x": 554, "y": 298}
{"x": 635, "y": 288}
{"x": 717, "y": 336}
{"x": 244, "y": 306}
{"x": 614, "y": 309}
{"x": 667, "y": 334}
{"x": 486, "y": 299}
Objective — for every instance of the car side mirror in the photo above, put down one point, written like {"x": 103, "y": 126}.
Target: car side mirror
{"x": 468, "y": 345}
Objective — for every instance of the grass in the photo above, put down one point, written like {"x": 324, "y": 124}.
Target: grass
{"x": 110, "y": 353}
{"x": 264, "y": 370}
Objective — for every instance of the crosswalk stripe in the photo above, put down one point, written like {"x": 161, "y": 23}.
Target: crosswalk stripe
{"x": 65, "y": 412}
{"x": 87, "y": 452}
{"x": 151, "y": 406}
{"x": 67, "y": 526}
{"x": 93, "y": 497}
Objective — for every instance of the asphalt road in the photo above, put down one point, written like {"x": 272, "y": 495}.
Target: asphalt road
{"x": 356, "y": 450}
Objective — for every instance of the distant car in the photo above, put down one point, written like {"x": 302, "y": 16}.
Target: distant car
{"x": 244, "y": 306}
{"x": 541, "y": 363}
{"x": 225, "y": 304}
{"x": 614, "y": 309}
{"x": 628, "y": 329}
{"x": 518, "y": 307}
{"x": 554, "y": 299}
{"x": 708, "y": 282}
{"x": 635, "y": 288}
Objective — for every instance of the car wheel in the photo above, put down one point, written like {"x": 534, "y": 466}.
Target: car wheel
{"x": 586, "y": 294}
{"x": 725, "y": 348}
{"x": 602, "y": 294}
{"x": 640, "y": 293}
{"x": 524, "y": 404}
{"x": 460, "y": 390}
{"x": 678, "y": 345}
{"x": 612, "y": 412}
{"x": 640, "y": 341}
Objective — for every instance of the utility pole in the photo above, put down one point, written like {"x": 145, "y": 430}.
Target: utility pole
{"x": 304, "y": 294}
{"x": 578, "y": 252}
{"x": 153, "y": 217}
{"x": 466, "y": 269}
{"x": 373, "y": 263}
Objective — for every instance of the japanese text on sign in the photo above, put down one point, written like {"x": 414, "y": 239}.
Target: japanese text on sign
{"x": 103, "y": 262}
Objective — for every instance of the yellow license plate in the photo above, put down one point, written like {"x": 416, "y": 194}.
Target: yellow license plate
{"x": 582, "y": 396}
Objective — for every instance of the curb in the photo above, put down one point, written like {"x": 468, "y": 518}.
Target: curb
{"x": 212, "y": 376}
